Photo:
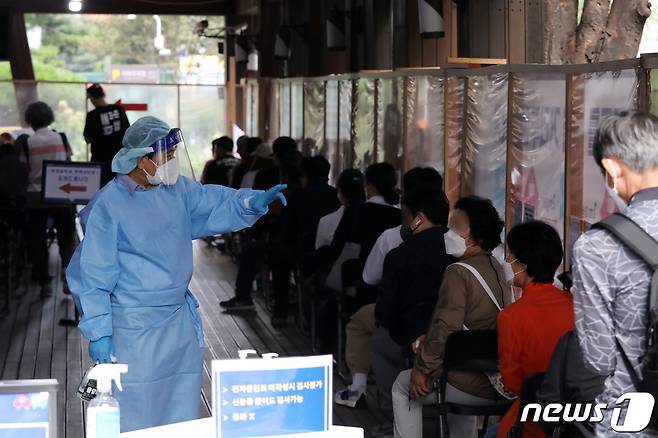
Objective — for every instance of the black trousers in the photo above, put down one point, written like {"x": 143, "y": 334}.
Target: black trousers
{"x": 64, "y": 220}
{"x": 279, "y": 260}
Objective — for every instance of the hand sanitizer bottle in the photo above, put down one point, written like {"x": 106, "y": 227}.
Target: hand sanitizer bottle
{"x": 103, "y": 414}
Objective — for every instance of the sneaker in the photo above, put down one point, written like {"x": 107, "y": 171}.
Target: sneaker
{"x": 351, "y": 398}
{"x": 236, "y": 303}
{"x": 279, "y": 322}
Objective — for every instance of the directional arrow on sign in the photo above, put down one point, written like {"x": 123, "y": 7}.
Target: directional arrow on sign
{"x": 225, "y": 418}
{"x": 133, "y": 106}
{"x": 224, "y": 390}
{"x": 68, "y": 188}
{"x": 224, "y": 402}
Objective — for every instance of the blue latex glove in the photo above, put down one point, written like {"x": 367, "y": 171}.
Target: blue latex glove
{"x": 101, "y": 350}
{"x": 262, "y": 200}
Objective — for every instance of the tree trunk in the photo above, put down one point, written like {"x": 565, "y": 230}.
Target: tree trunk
{"x": 624, "y": 30}
{"x": 590, "y": 33}
{"x": 561, "y": 19}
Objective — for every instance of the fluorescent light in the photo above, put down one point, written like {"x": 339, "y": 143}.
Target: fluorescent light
{"x": 132, "y": 16}
{"x": 75, "y": 6}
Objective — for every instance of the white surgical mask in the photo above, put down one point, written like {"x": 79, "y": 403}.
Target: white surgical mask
{"x": 455, "y": 244}
{"x": 614, "y": 195}
{"x": 165, "y": 174}
{"x": 509, "y": 272}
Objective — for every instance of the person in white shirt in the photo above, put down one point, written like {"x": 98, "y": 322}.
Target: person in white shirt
{"x": 45, "y": 144}
{"x": 361, "y": 327}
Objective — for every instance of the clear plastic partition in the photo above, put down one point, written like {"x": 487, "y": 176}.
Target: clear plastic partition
{"x": 425, "y": 123}
{"x": 390, "y": 110}
{"x": 345, "y": 125}
{"x": 537, "y": 150}
{"x": 284, "y": 109}
{"x": 593, "y": 96}
{"x": 297, "y": 111}
{"x": 454, "y": 136}
{"x": 330, "y": 145}
{"x": 364, "y": 124}
{"x": 485, "y": 142}
{"x": 202, "y": 119}
{"x": 273, "y": 103}
{"x": 313, "y": 117}
{"x": 68, "y": 102}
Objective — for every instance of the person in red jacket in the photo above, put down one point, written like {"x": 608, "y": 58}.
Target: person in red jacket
{"x": 529, "y": 329}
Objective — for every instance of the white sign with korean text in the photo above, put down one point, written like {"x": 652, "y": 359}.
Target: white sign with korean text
{"x": 70, "y": 182}
{"x": 283, "y": 397}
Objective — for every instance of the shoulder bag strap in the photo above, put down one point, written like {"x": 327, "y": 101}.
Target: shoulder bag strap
{"x": 483, "y": 283}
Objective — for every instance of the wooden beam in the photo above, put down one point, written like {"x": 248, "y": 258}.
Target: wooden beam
{"x": 477, "y": 61}
{"x": 516, "y": 32}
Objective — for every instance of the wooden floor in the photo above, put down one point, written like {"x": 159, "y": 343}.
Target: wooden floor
{"x": 33, "y": 345}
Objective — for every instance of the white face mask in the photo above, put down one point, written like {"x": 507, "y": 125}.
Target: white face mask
{"x": 614, "y": 195}
{"x": 455, "y": 244}
{"x": 166, "y": 174}
{"x": 509, "y": 272}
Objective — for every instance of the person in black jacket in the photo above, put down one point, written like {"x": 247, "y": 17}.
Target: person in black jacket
{"x": 364, "y": 223}
{"x": 408, "y": 291}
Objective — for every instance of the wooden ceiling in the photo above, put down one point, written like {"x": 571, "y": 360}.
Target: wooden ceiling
{"x": 164, "y": 7}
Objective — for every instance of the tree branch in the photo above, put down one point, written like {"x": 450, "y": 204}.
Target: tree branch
{"x": 590, "y": 33}
{"x": 560, "y": 21}
{"x": 624, "y": 30}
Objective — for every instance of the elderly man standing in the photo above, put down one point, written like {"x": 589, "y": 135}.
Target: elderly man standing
{"x": 611, "y": 283}
{"x": 130, "y": 274}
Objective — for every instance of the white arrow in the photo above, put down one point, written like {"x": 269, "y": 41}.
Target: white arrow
{"x": 224, "y": 390}
{"x": 224, "y": 402}
{"x": 225, "y": 418}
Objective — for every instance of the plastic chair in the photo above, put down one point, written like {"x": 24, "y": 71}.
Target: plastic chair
{"x": 472, "y": 351}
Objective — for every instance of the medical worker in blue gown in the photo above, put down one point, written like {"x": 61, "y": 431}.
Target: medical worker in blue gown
{"x": 130, "y": 274}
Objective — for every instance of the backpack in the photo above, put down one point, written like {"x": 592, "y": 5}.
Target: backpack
{"x": 645, "y": 247}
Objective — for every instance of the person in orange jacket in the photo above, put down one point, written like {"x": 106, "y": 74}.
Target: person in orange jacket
{"x": 529, "y": 329}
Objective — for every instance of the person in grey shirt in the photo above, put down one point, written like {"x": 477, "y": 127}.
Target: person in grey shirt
{"x": 611, "y": 283}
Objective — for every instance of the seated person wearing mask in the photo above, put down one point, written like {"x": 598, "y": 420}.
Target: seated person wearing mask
{"x": 463, "y": 301}
{"x": 407, "y": 293}
{"x": 389, "y": 239}
{"x": 131, "y": 272}
{"x": 529, "y": 329}
{"x": 360, "y": 328}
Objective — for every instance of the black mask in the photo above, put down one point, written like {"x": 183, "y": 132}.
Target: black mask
{"x": 405, "y": 232}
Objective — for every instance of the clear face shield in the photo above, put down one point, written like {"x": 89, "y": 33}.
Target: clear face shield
{"x": 170, "y": 160}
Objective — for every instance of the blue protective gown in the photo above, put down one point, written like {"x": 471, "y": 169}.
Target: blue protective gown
{"x": 130, "y": 278}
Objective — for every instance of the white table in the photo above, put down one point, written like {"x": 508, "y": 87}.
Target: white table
{"x": 203, "y": 429}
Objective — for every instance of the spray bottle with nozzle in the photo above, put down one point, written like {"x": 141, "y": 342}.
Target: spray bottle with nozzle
{"x": 103, "y": 415}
